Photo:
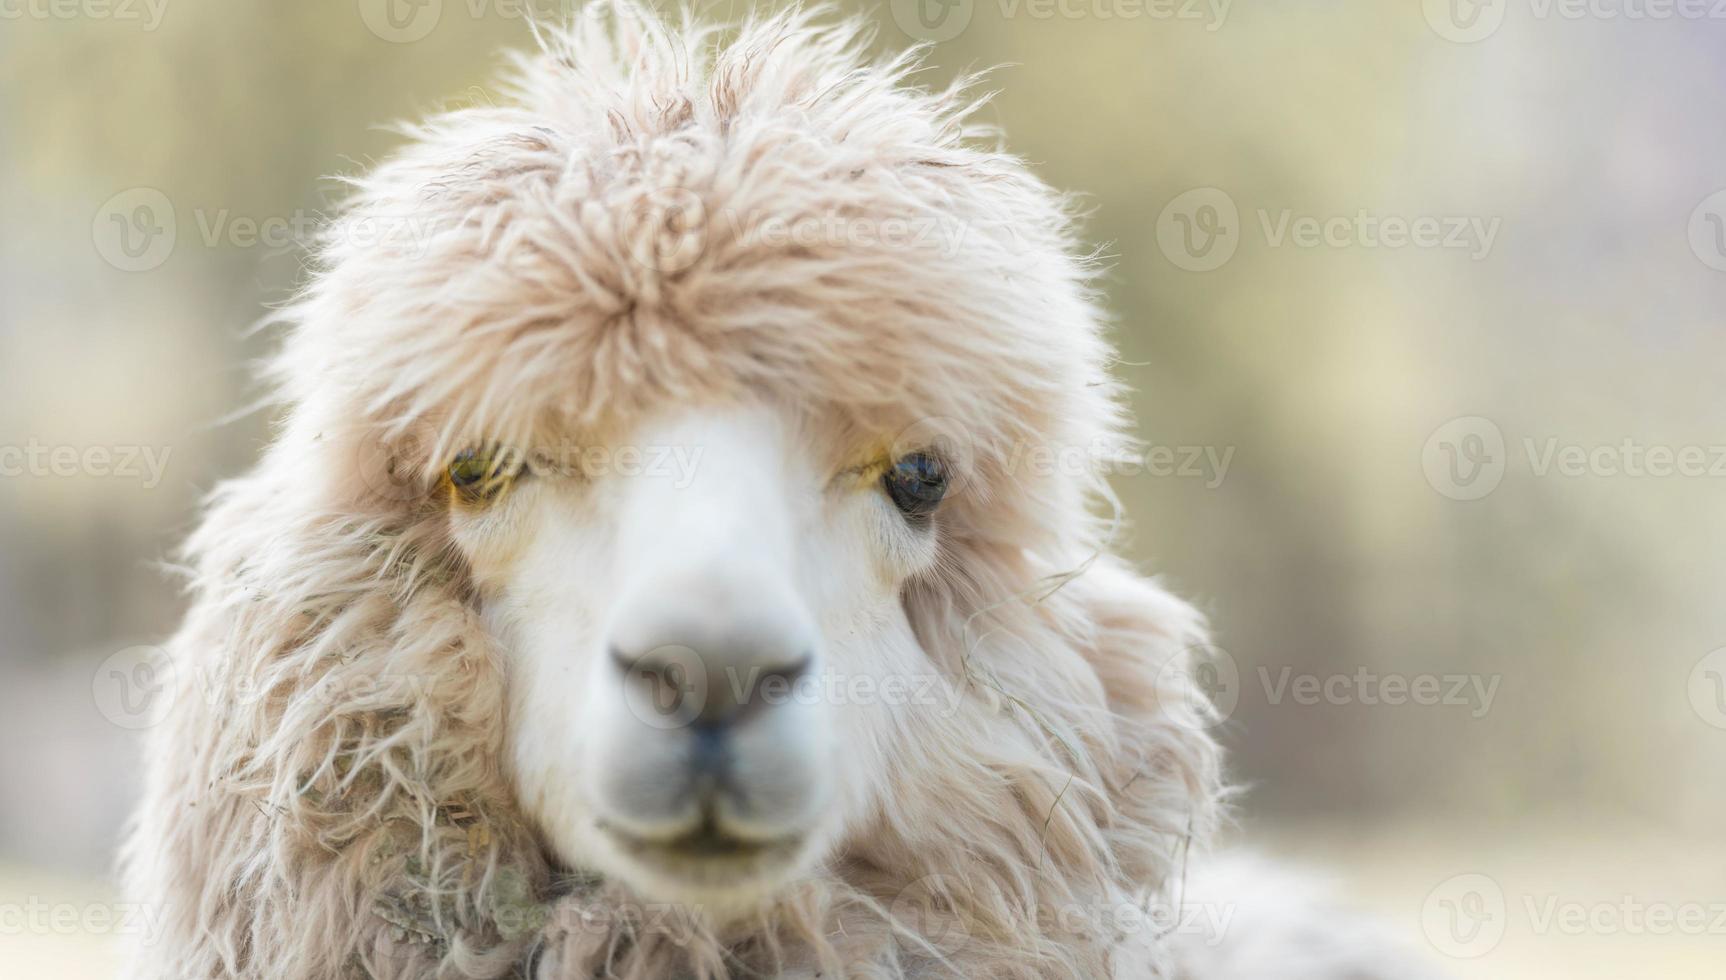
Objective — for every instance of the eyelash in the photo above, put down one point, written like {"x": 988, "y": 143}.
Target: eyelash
{"x": 477, "y": 477}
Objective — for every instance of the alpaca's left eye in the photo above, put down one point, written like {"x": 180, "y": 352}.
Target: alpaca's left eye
{"x": 479, "y": 475}
{"x": 916, "y": 482}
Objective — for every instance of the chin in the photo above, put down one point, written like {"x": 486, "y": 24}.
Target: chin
{"x": 721, "y": 878}
{"x": 715, "y": 872}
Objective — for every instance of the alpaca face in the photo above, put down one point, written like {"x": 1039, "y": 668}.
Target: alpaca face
{"x": 707, "y": 654}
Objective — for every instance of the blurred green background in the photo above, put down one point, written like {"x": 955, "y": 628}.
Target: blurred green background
{"x": 1395, "y": 419}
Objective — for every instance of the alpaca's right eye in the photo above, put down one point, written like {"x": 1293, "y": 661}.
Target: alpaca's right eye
{"x": 916, "y": 483}
{"x": 479, "y": 475}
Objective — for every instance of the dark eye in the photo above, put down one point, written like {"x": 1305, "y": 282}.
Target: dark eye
{"x": 479, "y": 475}
{"x": 917, "y": 482}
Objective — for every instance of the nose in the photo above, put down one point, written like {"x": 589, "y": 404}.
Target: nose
{"x": 711, "y": 691}
{"x": 711, "y": 651}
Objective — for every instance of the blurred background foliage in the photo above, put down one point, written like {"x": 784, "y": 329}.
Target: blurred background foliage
{"x": 1325, "y": 370}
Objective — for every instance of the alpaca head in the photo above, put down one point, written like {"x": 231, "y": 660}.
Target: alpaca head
{"x": 705, "y": 637}
{"x": 711, "y": 424}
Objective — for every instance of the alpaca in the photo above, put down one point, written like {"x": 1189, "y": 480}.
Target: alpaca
{"x": 653, "y": 574}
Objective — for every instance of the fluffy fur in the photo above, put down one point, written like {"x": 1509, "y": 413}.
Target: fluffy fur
{"x": 327, "y": 799}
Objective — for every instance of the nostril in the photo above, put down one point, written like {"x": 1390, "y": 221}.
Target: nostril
{"x": 625, "y": 662}
{"x": 676, "y": 685}
{"x": 746, "y": 690}
{"x": 789, "y": 673}
{"x": 665, "y": 686}
{"x": 671, "y": 664}
{"x": 767, "y": 687}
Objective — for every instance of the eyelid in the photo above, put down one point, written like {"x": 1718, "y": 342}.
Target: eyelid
{"x": 868, "y": 475}
{"x": 504, "y": 467}
{"x": 862, "y": 475}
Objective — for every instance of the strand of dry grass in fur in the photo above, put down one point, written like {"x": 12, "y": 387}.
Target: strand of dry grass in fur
{"x": 1060, "y": 581}
{"x": 1180, "y": 895}
{"x": 1049, "y": 586}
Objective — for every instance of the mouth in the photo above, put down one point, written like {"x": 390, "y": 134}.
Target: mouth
{"x": 708, "y": 855}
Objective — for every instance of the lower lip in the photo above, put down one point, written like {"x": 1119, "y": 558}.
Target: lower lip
{"x": 743, "y": 859}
